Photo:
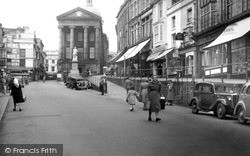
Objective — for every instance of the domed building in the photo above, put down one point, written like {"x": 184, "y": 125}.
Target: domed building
{"x": 82, "y": 28}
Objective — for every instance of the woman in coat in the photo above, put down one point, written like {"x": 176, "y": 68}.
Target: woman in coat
{"x": 170, "y": 95}
{"x": 144, "y": 92}
{"x": 17, "y": 94}
{"x": 154, "y": 96}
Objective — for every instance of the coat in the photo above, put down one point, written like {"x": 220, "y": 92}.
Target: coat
{"x": 144, "y": 91}
{"x": 170, "y": 95}
{"x": 17, "y": 94}
{"x": 154, "y": 96}
{"x": 132, "y": 95}
{"x": 128, "y": 84}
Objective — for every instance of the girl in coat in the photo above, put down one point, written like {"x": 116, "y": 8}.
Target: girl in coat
{"x": 132, "y": 95}
{"x": 154, "y": 96}
{"x": 17, "y": 94}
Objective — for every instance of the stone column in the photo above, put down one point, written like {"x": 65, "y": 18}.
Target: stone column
{"x": 97, "y": 43}
{"x": 60, "y": 42}
{"x": 85, "y": 43}
{"x": 71, "y": 41}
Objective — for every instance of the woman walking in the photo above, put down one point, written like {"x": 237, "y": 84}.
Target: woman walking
{"x": 154, "y": 96}
{"x": 144, "y": 92}
{"x": 17, "y": 94}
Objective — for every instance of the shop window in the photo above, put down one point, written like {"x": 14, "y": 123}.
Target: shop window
{"x": 238, "y": 56}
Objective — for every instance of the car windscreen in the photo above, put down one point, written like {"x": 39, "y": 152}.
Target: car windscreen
{"x": 224, "y": 89}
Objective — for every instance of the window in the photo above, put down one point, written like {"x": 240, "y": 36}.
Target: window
{"x": 132, "y": 10}
{"x": 161, "y": 33}
{"x": 68, "y": 54}
{"x": 173, "y": 22}
{"x": 47, "y": 61}
{"x": 189, "y": 15}
{"x": 238, "y": 56}
{"x": 92, "y": 37}
{"x": 229, "y": 8}
{"x": 143, "y": 5}
{"x": 146, "y": 27}
{"x": 156, "y": 33}
{"x": 173, "y": 40}
{"x": 22, "y": 52}
{"x": 67, "y": 37}
{"x": 92, "y": 52}
{"x": 22, "y": 62}
{"x": 160, "y": 10}
{"x": 80, "y": 37}
{"x": 175, "y": 1}
{"x": 53, "y": 61}
{"x": 53, "y": 68}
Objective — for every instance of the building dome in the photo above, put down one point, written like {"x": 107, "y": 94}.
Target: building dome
{"x": 90, "y": 8}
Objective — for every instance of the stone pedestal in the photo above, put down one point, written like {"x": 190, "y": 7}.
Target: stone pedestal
{"x": 74, "y": 72}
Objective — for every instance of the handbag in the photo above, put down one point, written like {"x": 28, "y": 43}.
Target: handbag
{"x": 146, "y": 105}
{"x": 139, "y": 98}
{"x": 162, "y": 102}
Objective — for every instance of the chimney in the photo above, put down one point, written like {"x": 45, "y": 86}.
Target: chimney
{"x": 89, "y": 3}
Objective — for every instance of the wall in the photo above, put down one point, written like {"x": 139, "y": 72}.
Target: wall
{"x": 183, "y": 91}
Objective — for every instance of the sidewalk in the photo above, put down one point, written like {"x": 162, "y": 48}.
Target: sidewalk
{"x": 4, "y": 99}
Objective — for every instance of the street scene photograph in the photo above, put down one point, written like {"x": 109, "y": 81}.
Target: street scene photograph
{"x": 125, "y": 78}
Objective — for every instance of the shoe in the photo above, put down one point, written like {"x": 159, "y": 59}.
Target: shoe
{"x": 149, "y": 119}
{"x": 131, "y": 109}
{"x": 158, "y": 119}
{"x": 14, "y": 109}
{"x": 20, "y": 109}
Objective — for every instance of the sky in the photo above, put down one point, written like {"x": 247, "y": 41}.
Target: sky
{"x": 40, "y": 16}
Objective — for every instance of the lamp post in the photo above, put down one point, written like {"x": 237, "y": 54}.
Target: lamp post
{"x": 124, "y": 68}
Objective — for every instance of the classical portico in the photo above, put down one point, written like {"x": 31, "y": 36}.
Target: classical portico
{"x": 82, "y": 29}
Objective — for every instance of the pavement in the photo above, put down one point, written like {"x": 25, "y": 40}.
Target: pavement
{"x": 4, "y": 99}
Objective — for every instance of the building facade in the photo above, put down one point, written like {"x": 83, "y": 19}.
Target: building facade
{"x": 24, "y": 53}
{"x": 52, "y": 57}
{"x": 134, "y": 31}
{"x": 223, "y": 39}
{"x": 81, "y": 29}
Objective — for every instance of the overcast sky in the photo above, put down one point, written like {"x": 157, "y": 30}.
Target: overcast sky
{"x": 40, "y": 16}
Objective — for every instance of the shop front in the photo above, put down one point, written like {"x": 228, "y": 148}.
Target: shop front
{"x": 228, "y": 55}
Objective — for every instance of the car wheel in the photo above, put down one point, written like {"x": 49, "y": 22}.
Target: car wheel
{"x": 241, "y": 116}
{"x": 215, "y": 112}
{"x": 221, "y": 111}
{"x": 194, "y": 107}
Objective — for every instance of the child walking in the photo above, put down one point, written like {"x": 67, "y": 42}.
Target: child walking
{"x": 132, "y": 95}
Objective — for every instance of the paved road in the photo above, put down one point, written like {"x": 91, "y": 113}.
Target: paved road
{"x": 92, "y": 125}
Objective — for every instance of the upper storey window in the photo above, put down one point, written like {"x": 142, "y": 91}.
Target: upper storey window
{"x": 175, "y": 1}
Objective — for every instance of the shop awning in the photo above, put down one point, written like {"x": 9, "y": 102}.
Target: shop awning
{"x": 163, "y": 54}
{"x": 233, "y": 31}
{"x": 115, "y": 58}
{"x": 138, "y": 49}
{"x": 153, "y": 56}
{"x": 125, "y": 56}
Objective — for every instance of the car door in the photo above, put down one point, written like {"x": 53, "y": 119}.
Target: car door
{"x": 247, "y": 101}
{"x": 207, "y": 96}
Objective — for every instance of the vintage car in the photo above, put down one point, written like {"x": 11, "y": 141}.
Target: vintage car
{"x": 220, "y": 98}
{"x": 242, "y": 108}
{"x": 77, "y": 83}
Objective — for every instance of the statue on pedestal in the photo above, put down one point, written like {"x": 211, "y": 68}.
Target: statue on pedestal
{"x": 75, "y": 51}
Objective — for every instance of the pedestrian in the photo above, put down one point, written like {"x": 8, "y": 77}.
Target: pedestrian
{"x": 17, "y": 94}
{"x": 132, "y": 95}
{"x": 143, "y": 94}
{"x": 128, "y": 84}
{"x": 154, "y": 96}
{"x": 170, "y": 93}
{"x": 102, "y": 84}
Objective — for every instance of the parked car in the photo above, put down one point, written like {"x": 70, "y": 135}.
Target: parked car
{"x": 242, "y": 108}
{"x": 77, "y": 83}
{"x": 220, "y": 98}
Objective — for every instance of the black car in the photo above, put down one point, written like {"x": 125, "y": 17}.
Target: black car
{"x": 220, "y": 98}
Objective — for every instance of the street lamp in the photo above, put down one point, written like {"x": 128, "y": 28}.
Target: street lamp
{"x": 124, "y": 68}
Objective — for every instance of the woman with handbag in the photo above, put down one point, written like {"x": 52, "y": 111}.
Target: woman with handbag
{"x": 16, "y": 92}
{"x": 154, "y": 96}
